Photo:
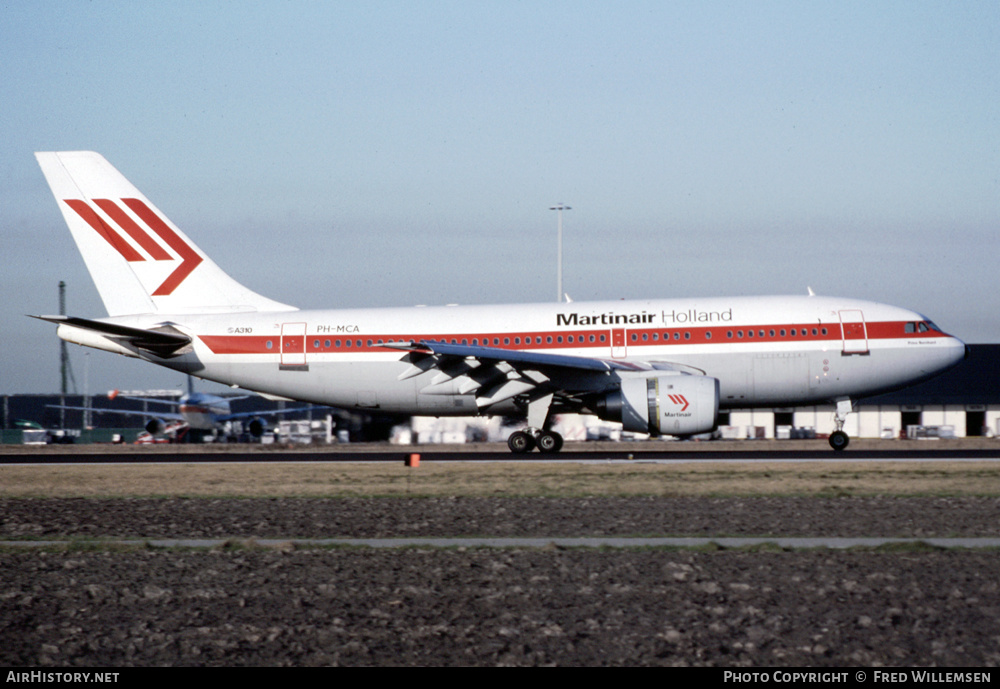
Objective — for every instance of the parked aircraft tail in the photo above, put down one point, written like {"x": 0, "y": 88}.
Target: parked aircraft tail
{"x": 139, "y": 260}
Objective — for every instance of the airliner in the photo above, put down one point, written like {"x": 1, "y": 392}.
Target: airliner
{"x": 658, "y": 367}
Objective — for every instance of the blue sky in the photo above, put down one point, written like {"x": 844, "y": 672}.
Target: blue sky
{"x": 365, "y": 154}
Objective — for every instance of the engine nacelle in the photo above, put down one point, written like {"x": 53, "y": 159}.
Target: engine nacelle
{"x": 257, "y": 427}
{"x": 670, "y": 405}
{"x": 155, "y": 427}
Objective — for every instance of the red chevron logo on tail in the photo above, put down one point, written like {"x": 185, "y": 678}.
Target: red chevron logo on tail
{"x": 189, "y": 258}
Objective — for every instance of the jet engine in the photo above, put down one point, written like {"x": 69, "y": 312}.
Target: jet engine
{"x": 664, "y": 404}
{"x": 155, "y": 427}
{"x": 257, "y": 427}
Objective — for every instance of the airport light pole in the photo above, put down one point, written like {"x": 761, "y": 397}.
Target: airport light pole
{"x": 559, "y": 288}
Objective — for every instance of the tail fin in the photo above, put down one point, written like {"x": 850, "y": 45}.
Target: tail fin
{"x": 139, "y": 260}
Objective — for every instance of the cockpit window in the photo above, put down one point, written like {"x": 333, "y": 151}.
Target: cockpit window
{"x": 921, "y": 327}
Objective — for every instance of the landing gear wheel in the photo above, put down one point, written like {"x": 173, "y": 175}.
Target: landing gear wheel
{"x": 520, "y": 442}
{"x": 839, "y": 440}
{"x": 549, "y": 442}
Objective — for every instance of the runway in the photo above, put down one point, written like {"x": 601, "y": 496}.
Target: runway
{"x": 619, "y": 452}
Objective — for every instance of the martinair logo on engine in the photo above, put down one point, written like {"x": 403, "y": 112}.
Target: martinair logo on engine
{"x": 680, "y": 401}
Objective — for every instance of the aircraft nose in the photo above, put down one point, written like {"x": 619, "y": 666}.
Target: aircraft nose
{"x": 959, "y": 351}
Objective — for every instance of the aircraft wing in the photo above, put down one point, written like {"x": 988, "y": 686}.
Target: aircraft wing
{"x": 494, "y": 374}
{"x": 125, "y": 412}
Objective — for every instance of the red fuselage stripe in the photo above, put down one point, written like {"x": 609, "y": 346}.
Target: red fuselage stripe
{"x": 569, "y": 339}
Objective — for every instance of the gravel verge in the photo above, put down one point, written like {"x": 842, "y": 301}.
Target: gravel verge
{"x": 499, "y": 517}
{"x": 236, "y": 606}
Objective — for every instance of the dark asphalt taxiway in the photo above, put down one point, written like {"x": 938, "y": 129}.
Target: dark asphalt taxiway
{"x": 773, "y": 452}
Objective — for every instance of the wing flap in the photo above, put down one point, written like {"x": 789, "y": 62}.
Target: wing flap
{"x": 495, "y": 375}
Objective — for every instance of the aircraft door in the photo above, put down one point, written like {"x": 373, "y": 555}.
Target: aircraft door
{"x": 854, "y": 331}
{"x": 293, "y": 345}
{"x": 618, "y": 348}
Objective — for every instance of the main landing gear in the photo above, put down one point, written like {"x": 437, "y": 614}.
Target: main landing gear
{"x": 838, "y": 439}
{"x": 522, "y": 442}
{"x": 547, "y": 442}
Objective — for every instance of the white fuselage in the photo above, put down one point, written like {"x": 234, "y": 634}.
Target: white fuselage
{"x": 765, "y": 351}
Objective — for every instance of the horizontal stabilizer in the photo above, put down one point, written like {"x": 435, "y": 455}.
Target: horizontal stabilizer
{"x": 162, "y": 343}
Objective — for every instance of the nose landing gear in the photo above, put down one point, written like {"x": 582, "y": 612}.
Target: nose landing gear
{"x": 839, "y": 440}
